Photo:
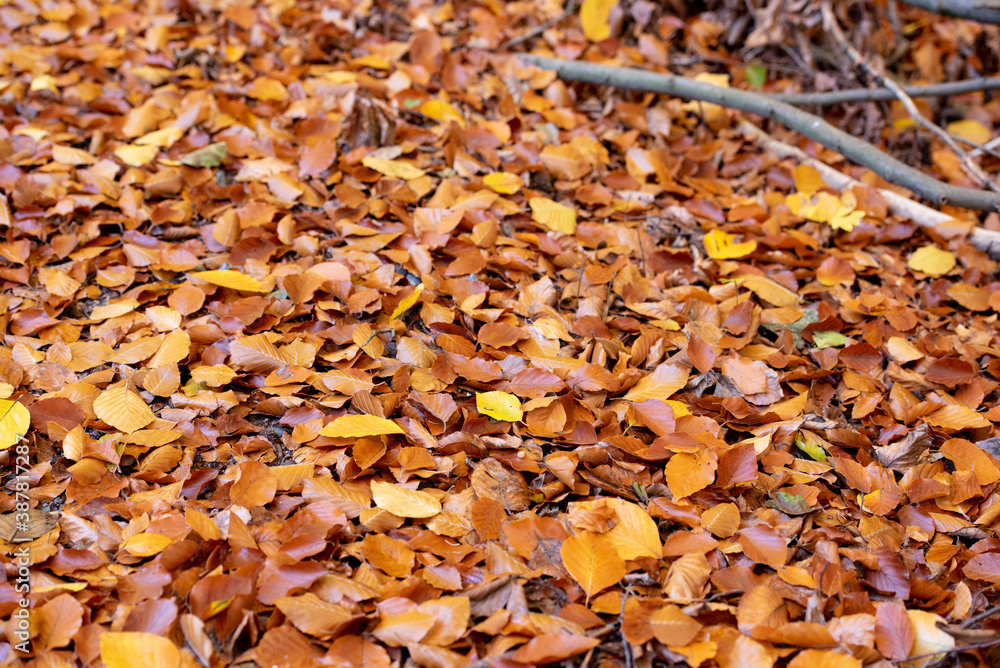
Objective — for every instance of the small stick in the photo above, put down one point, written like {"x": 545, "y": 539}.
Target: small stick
{"x": 538, "y": 30}
{"x": 834, "y": 97}
{"x": 970, "y": 168}
{"x": 988, "y": 612}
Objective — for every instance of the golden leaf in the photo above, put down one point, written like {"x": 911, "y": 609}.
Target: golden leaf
{"x": 663, "y": 382}
{"x": 769, "y": 291}
{"x": 636, "y": 534}
{"x": 138, "y": 650}
{"x": 553, "y": 215}
{"x": 504, "y": 182}
{"x": 929, "y": 638}
{"x": 932, "y": 261}
{"x": 146, "y": 544}
{"x": 161, "y": 138}
{"x": 441, "y": 112}
{"x": 136, "y": 156}
{"x": 407, "y": 302}
{"x": 14, "y": 422}
{"x": 594, "y": 19}
{"x": 228, "y": 278}
{"x": 721, "y": 246}
{"x": 687, "y": 473}
{"x": 404, "y": 502}
{"x": 356, "y": 426}
{"x": 973, "y": 131}
{"x": 123, "y": 409}
{"x": 722, "y": 520}
{"x": 499, "y": 406}
{"x": 394, "y": 169}
{"x": 593, "y": 561}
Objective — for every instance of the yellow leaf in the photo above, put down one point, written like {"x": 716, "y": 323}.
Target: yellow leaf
{"x": 504, "y": 182}
{"x": 499, "y": 405}
{"x": 164, "y": 138}
{"x": 687, "y": 473}
{"x": 818, "y": 206}
{"x": 394, "y": 169}
{"x": 268, "y": 89}
{"x": 932, "y": 261}
{"x": 973, "y": 131}
{"x": 407, "y": 302}
{"x": 404, "y": 502}
{"x": 929, "y": 638}
{"x": 14, "y": 422}
{"x": 721, "y": 520}
{"x": 846, "y": 219}
{"x": 593, "y": 561}
{"x": 769, "y": 291}
{"x": 594, "y": 18}
{"x": 44, "y": 82}
{"x": 807, "y": 179}
{"x": 123, "y": 409}
{"x": 720, "y": 246}
{"x": 680, "y": 409}
{"x": 66, "y": 155}
{"x": 113, "y": 310}
{"x": 138, "y": 650}
{"x": 356, "y": 426}
{"x": 136, "y": 156}
{"x": 229, "y": 278}
{"x": 636, "y": 534}
{"x": 663, "y": 382}
{"x": 441, "y": 112}
{"x": 553, "y": 215}
{"x": 146, "y": 544}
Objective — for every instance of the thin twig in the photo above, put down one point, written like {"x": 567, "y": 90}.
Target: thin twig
{"x": 904, "y": 207}
{"x": 988, "y": 612}
{"x": 955, "y": 650}
{"x": 835, "y": 97}
{"x": 626, "y": 646}
{"x": 538, "y": 30}
{"x": 970, "y": 168}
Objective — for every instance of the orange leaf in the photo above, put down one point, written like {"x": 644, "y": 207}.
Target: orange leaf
{"x": 593, "y": 561}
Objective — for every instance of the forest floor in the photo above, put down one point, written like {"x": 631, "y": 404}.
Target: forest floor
{"x": 348, "y": 339}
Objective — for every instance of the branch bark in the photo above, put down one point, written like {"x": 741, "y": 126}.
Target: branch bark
{"x": 809, "y": 125}
{"x": 984, "y": 11}
{"x": 870, "y": 94}
{"x": 904, "y": 207}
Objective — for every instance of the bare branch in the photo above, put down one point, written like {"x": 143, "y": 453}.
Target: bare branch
{"x": 834, "y": 97}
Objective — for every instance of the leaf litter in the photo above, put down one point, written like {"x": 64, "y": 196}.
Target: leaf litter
{"x": 398, "y": 352}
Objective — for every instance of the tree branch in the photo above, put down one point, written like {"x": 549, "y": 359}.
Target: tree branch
{"x": 984, "y": 11}
{"x": 968, "y": 166}
{"x": 809, "y": 125}
{"x": 834, "y": 97}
